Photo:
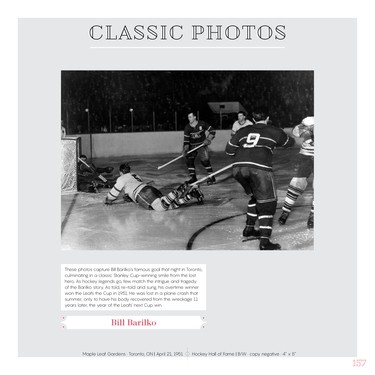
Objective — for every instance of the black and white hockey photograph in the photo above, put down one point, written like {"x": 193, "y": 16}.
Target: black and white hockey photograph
{"x": 187, "y": 160}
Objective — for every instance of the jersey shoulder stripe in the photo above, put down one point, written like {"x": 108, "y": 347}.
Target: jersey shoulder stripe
{"x": 252, "y": 163}
{"x": 287, "y": 140}
{"x": 268, "y": 139}
{"x": 233, "y": 144}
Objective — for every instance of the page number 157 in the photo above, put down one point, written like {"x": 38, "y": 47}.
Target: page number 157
{"x": 359, "y": 362}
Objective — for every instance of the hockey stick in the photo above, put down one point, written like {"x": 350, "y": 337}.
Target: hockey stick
{"x": 211, "y": 175}
{"x": 93, "y": 170}
{"x": 181, "y": 156}
{"x": 250, "y": 239}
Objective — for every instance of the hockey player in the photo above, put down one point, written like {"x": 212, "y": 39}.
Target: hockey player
{"x": 252, "y": 148}
{"x": 194, "y": 136}
{"x": 240, "y": 123}
{"x": 304, "y": 167}
{"x": 148, "y": 196}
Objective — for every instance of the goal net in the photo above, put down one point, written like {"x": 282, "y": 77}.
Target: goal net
{"x": 70, "y": 151}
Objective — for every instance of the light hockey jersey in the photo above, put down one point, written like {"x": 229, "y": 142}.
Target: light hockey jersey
{"x": 130, "y": 183}
{"x": 307, "y": 147}
{"x": 237, "y": 126}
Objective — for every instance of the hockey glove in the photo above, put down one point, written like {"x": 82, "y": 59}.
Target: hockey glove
{"x": 107, "y": 201}
{"x": 185, "y": 150}
{"x": 127, "y": 198}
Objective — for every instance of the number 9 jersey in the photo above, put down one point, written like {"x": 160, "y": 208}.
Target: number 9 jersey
{"x": 253, "y": 146}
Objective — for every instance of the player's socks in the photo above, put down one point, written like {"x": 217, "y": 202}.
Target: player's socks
{"x": 209, "y": 169}
{"x": 192, "y": 179}
{"x": 251, "y": 218}
{"x": 283, "y": 217}
{"x": 192, "y": 174}
{"x": 184, "y": 200}
{"x": 172, "y": 195}
{"x": 265, "y": 227}
{"x": 252, "y": 213}
{"x": 266, "y": 244}
{"x": 291, "y": 196}
{"x": 169, "y": 198}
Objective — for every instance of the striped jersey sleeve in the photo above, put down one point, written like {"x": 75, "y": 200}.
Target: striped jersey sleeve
{"x": 116, "y": 190}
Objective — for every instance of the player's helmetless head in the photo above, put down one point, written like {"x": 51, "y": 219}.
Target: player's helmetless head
{"x": 124, "y": 168}
{"x": 260, "y": 114}
{"x": 241, "y": 117}
{"x": 83, "y": 157}
{"x": 191, "y": 117}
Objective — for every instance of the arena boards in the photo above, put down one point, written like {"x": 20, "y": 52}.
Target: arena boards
{"x": 124, "y": 260}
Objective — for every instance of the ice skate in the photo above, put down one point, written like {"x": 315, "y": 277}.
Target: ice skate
{"x": 93, "y": 188}
{"x": 266, "y": 244}
{"x": 182, "y": 190}
{"x": 196, "y": 193}
{"x": 310, "y": 221}
{"x": 211, "y": 181}
{"x": 283, "y": 218}
{"x": 250, "y": 232}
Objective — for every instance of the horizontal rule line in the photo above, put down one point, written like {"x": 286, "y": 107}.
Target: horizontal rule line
{"x": 189, "y": 47}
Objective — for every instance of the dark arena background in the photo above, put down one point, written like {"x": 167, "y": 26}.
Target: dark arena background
{"x": 138, "y": 117}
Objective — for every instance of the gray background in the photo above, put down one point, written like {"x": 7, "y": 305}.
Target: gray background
{"x": 280, "y": 301}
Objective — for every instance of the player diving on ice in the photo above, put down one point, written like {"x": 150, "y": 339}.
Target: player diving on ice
{"x": 148, "y": 196}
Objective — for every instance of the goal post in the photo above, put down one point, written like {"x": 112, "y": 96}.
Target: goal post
{"x": 70, "y": 151}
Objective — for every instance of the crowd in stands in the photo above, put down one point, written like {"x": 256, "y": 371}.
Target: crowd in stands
{"x": 125, "y": 101}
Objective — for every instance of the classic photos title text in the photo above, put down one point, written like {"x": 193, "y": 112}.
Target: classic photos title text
{"x": 176, "y": 32}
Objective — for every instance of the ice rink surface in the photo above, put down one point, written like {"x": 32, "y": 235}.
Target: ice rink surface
{"x": 88, "y": 224}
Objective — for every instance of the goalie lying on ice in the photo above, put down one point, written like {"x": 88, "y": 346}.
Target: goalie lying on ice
{"x": 148, "y": 196}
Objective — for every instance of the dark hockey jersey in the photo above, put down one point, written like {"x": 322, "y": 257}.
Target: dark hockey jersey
{"x": 252, "y": 145}
{"x": 194, "y": 136}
